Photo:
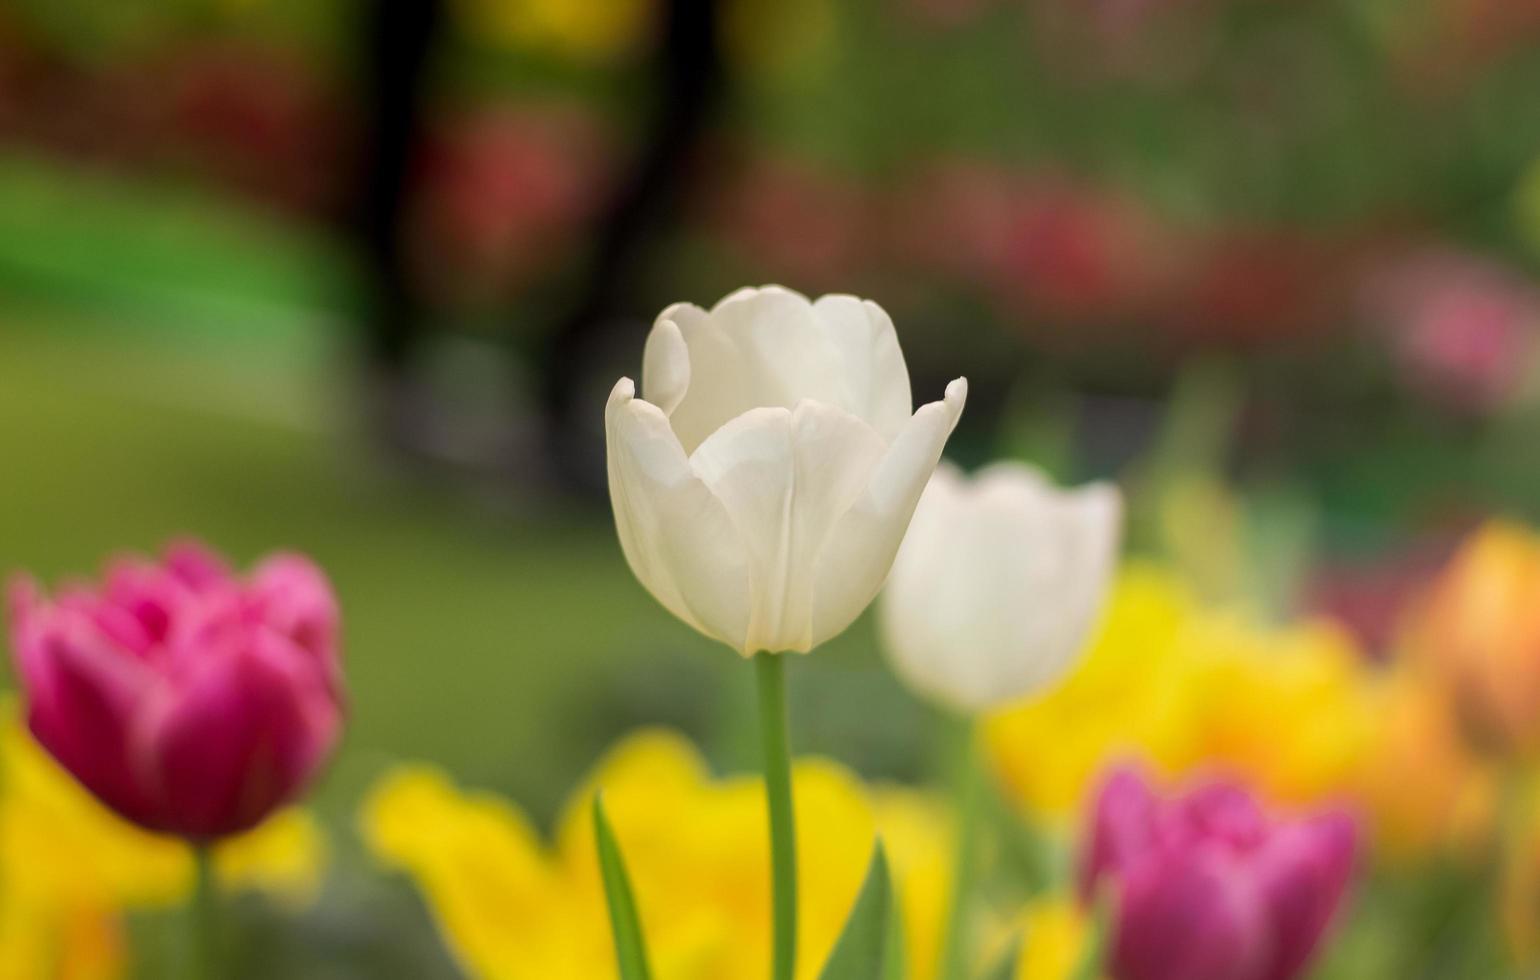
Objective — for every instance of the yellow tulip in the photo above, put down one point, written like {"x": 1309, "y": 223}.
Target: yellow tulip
{"x": 285, "y": 858}
{"x": 917, "y": 831}
{"x": 511, "y": 906}
{"x": 1122, "y": 697}
{"x": 61, "y": 943}
{"x": 1185, "y": 686}
{"x": 1246, "y": 685}
{"x": 1056, "y": 938}
{"x": 69, "y": 867}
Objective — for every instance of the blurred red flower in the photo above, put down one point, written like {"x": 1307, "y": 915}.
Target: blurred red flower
{"x": 501, "y": 194}
{"x": 1462, "y": 328}
{"x": 258, "y": 117}
{"x": 794, "y": 222}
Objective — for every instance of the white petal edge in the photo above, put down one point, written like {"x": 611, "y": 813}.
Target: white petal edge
{"x": 747, "y": 293}
{"x": 876, "y": 376}
{"x": 1084, "y": 535}
{"x": 676, "y": 536}
{"x": 860, "y": 551}
{"x": 772, "y": 347}
{"x": 665, "y": 366}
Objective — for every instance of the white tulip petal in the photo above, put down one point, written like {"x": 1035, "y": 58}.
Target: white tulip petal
{"x": 687, "y": 315}
{"x": 860, "y": 550}
{"x": 930, "y": 526}
{"x": 1089, "y": 534}
{"x": 676, "y": 536}
{"x": 719, "y": 387}
{"x": 787, "y": 354}
{"x": 748, "y": 292}
{"x": 785, "y": 477}
{"x": 998, "y": 584}
{"x": 876, "y": 379}
{"x": 758, "y": 348}
{"x": 665, "y": 366}
{"x": 761, "y": 490}
{"x": 688, "y": 319}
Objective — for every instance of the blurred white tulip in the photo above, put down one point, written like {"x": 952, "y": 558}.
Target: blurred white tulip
{"x": 763, "y": 487}
{"x": 997, "y": 584}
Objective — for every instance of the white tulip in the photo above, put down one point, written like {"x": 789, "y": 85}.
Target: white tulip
{"x": 998, "y": 584}
{"x": 763, "y": 487}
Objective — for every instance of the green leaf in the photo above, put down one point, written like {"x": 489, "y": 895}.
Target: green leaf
{"x": 896, "y": 964}
{"x": 1092, "y": 965}
{"x": 630, "y": 948}
{"x": 862, "y": 948}
{"x": 1005, "y": 966}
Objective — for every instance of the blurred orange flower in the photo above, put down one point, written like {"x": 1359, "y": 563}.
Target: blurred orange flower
{"x": 1478, "y": 632}
{"x": 1423, "y": 789}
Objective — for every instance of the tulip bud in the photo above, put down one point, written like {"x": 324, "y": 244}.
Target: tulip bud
{"x": 1207, "y": 886}
{"x": 763, "y": 487}
{"x": 189, "y": 700}
{"x": 997, "y": 584}
{"x": 1479, "y": 633}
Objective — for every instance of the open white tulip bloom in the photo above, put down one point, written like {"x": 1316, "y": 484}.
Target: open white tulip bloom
{"x": 998, "y": 583}
{"x": 763, "y": 487}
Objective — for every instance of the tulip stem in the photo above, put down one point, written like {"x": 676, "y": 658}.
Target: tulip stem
{"x": 771, "y": 678}
{"x": 205, "y": 919}
{"x": 969, "y": 791}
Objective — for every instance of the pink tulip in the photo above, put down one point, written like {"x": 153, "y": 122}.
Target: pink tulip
{"x": 189, "y": 700}
{"x": 1208, "y": 887}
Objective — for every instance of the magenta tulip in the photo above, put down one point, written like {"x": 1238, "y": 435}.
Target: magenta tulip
{"x": 1207, "y": 887}
{"x": 188, "y": 699}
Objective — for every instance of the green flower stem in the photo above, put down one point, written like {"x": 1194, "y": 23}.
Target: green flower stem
{"x": 205, "y": 940}
{"x": 771, "y": 677}
{"x": 969, "y": 790}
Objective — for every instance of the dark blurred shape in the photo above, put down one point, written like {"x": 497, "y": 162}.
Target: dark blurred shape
{"x": 500, "y": 190}
{"x": 690, "y": 76}
{"x": 400, "y": 40}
